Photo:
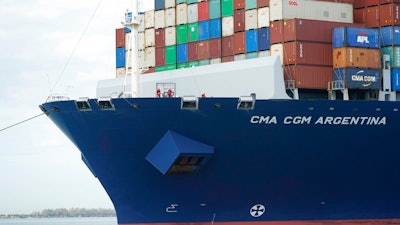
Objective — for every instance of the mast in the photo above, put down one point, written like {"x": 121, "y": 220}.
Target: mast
{"x": 132, "y": 21}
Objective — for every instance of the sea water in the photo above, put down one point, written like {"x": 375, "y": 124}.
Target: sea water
{"x": 61, "y": 221}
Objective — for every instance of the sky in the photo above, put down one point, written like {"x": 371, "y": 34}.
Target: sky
{"x": 49, "y": 46}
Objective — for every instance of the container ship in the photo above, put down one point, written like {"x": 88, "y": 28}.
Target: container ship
{"x": 247, "y": 112}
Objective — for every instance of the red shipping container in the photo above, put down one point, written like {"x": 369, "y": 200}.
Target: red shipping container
{"x": 227, "y": 58}
{"x": 309, "y": 77}
{"x": 359, "y": 16}
{"x": 215, "y": 48}
{"x": 262, "y": 3}
{"x": 239, "y": 4}
{"x": 120, "y": 37}
{"x": 357, "y": 4}
{"x": 160, "y": 56}
{"x": 372, "y": 17}
{"x": 203, "y": 49}
{"x": 239, "y": 20}
{"x": 239, "y": 43}
{"x": 276, "y": 32}
{"x": 388, "y": 1}
{"x": 159, "y": 37}
{"x": 306, "y": 53}
{"x": 371, "y": 3}
{"x": 202, "y": 11}
{"x": 227, "y": 46}
{"x": 389, "y": 15}
{"x": 192, "y": 51}
{"x": 311, "y": 30}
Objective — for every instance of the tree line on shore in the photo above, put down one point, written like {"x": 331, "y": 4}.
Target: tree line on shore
{"x": 63, "y": 212}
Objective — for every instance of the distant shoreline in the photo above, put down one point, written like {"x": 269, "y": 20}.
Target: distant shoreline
{"x": 64, "y": 213}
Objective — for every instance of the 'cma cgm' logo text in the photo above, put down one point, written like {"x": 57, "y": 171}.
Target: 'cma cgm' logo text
{"x": 294, "y": 3}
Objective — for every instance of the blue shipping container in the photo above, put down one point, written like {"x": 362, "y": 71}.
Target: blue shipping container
{"x": 251, "y": 41}
{"x": 181, "y": 53}
{"x": 159, "y": 4}
{"x": 358, "y": 78}
{"x": 120, "y": 57}
{"x": 390, "y": 35}
{"x": 203, "y": 30}
{"x": 215, "y": 28}
{"x": 355, "y": 37}
{"x": 263, "y": 39}
{"x": 395, "y": 79}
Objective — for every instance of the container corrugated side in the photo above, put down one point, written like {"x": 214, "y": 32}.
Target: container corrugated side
{"x": 193, "y": 50}
{"x": 276, "y": 31}
{"x": 251, "y": 19}
{"x": 159, "y": 36}
{"x": 193, "y": 32}
{"x": 215, "y": 48}
{"x": 309, "y": 77}
{"x": 251, "y": 4}
{"x": 181, "y": 14}
{"x": 389, "y": 14}
{"x": 214, "y": 9}
{"x": 239, "y": 4}
{"x": 315, "y": 10}
{"x": 149, "y": 19}
{"x": 170, "y": 17}
{"x": 395, "y": 79}
{"x": 181, "y": 34}
{"x": 227, "y": 46}
{"x": 263, "y": 38}
{"x": 203, "y": 50}
{"x": 226, "y": 8}
{"x": 159, "y": 19}
{"x": 141, "y": 41}
{"x": 160, "y": 56}
{"x": 394, "y": 54}
{"x": 159, "y": 4}
{"x": 390, "y": 35}
{"x": 181, "y": 53}
{"x": 356, "y": 57}
{"x": 356, "y": 37}
{"x": 120, "y": 57}
{"x": 170, "y": 3}
{"x": 310, "y": 30}
{"x": 202, "y": 11}
{"x": 192, "y": 13}
{"x": 150, "y": 57}
{"x": 120, "y": 37}
{"x": 120, "y": 72}
{"x": 227, "y": 26}
{"x": 170, "y": 54}
{"x": 305, "y": 53}
{"x": 251, "y": 41}
{"x": 239, "y": 20}
{"x": 371, "y": 16}
{"x": 215, "y": 28}
{"x": 149, "y": 35}
{"x": 204, "y": 30}
{"x": 359, "y": 78}
{"x": 170, "y": 36}
{"x": 263, "y": 17}
{"x": 239, "y": 43}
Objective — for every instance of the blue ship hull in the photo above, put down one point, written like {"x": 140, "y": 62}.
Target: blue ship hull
{"x": 283, "y": 160}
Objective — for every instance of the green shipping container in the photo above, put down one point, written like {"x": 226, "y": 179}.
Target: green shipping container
{"x": 191, "y": 1}
{"x": 181, "y": 34}
{"x": 193, "y": 32}
{"x": 193, "y": 63}
{"x": 181, "y": 65}
{"x": 214, "y": 9}
{"x": 180, "y": 1}
{"x": 252, "y": 55}
{"x": 170, "y": 54}
{"x": 227, "y": 8}
{"x": 394, "y": 53}
{"x": 170, "y": 67}
{"x": 160, "y": 68}
{"x": 251, "y": 4}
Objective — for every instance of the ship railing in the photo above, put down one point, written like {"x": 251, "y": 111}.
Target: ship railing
{"x": 336, "y": 85}
{"x": 57, "y": 97}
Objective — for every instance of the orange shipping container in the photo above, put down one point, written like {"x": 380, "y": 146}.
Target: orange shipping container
{"x": 120, "y": 37}
{"x": 356, "y": 57}
{"x": 389, "y": 15}
{"x": 309, "y": 77}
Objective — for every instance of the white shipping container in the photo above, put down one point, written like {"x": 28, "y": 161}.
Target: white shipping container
{"x": 181, "y": 14}
{"x": 313, "y": 10}
{"x": 141, "y": 42}
{"x": 277, "y": 50}
{"x": 263, "y": 17}
{"x": 264, "y": 53}
{"x": 149, "y": 37}
{"x": 215, "y": 60}
{"x": 120, "y": 72}
{"x": 227, "y": 26}
{"x": 192, "y": 13}
{"x": 141, "y": 25}
{"x": 159, "y": 19}
{"x": 141, "y": 59}
{"x": 239, "y": 57}
{"x": 150, "y": 57}
{"x": 149, "y": 19}
{"x": 169, "y": 4}
{"x": 170, "y": 17}
{"x": 251, "y": 18}
{"x": 170, "y": 36}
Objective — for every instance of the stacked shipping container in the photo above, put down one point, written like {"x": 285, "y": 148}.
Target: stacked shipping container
{"x": 182, "y": 33}
{"x": 303, "y": 38}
